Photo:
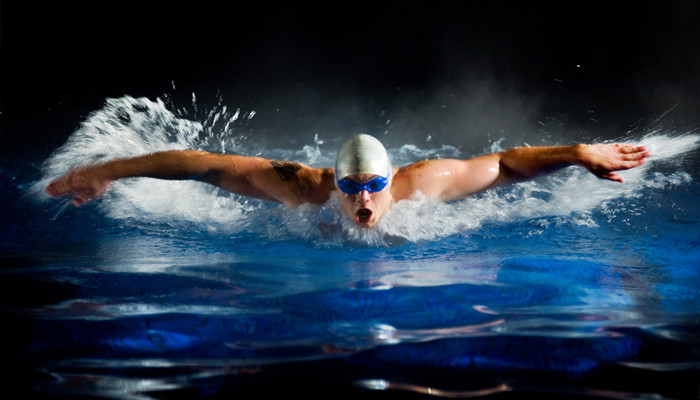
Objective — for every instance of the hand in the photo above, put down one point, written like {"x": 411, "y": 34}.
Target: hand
{"x": 83, "y": 184}
{"x": 603, "y": 160}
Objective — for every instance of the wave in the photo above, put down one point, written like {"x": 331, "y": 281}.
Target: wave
{"x": 129, "y": 126}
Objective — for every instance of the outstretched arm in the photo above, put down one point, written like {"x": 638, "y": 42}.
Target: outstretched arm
{"x": 457, "y": 179}
{"x": 602, "y": 160}
{"x": 286, "y": 182}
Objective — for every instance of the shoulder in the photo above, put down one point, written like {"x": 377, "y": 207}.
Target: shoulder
{"x": 294, "y": 183}
{"x": 430, "y": 177}
{"x": 315, "y": 184}
{"x": 446, "y": 179}
{"x": 288, "y": 182}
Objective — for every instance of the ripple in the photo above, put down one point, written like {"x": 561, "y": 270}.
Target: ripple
{"x": 157, "y": 340}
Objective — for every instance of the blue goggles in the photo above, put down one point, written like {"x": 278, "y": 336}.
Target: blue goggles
{"x": 351, "y": 187}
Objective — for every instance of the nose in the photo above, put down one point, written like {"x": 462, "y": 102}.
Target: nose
{"x": 364, "y": 196}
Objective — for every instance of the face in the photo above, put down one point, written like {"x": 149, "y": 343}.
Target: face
{"x": 365, "y": 208}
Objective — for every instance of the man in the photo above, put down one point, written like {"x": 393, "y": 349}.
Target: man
{"x": 363, "y": 178}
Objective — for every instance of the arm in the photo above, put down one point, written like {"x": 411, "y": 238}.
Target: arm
{"x": 602, "y": 160}
{"x": 286, "y": 182}
{"x": 450, "y": 179}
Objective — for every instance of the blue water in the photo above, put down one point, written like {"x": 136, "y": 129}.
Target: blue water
{"x": 563, "y": 286}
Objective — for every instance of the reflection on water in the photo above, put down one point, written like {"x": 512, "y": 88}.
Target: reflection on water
{"x": 566, "y": 285}
{"x": 414, "y": 324}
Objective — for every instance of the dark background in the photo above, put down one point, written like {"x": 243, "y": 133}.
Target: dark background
{"x": 438, "y": 68}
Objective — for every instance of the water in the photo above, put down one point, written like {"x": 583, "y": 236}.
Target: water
{"x": 563, "y": 286}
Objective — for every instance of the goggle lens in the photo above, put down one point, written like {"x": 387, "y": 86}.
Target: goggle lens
{"x": 351, "y": 187}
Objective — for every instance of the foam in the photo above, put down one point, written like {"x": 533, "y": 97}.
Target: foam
{"x": 129, "y": 126}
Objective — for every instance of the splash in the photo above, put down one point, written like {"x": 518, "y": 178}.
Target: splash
{"x": 130, "y": 126}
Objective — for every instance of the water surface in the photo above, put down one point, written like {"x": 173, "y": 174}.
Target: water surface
{"x": 563, "y": 286}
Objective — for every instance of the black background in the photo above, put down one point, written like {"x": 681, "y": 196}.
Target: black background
{"x": 620, "y": 61}
{"x": 596, "y": 65}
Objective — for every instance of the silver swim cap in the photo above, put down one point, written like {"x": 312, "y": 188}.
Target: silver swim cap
{"x": 362, "y": 154}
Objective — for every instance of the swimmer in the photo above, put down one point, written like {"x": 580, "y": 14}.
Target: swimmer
{"x": 363, "y": 178}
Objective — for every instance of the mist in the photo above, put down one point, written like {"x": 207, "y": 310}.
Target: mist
{"x": 463, "y": 75}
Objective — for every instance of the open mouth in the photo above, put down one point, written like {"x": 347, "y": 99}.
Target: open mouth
{"x": 363, "y": 215}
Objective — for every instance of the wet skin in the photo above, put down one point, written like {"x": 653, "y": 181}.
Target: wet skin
{"x": 294, "y": 184}
{"x": 366, "y": 208}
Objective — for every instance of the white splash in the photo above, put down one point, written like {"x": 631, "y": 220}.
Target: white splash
{"x": 128, "y": 126}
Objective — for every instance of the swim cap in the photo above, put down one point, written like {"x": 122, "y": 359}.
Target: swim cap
{"x": 362, "y": 154}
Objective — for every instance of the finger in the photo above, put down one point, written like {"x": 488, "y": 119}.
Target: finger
{"x": 83, "y": 198}
{"x": 54, "y": 189}
{"x": 58, "y": 187}
{"x": 613, "y": 177}
{"x": 629, "y": 149}
{"x": 80, "y": 201}
{"x": 634, "y": 156}
{"x": 50, "y": 189}
{"x": 633, "y": 163}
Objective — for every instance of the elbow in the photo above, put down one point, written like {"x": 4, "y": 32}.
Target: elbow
{"x": 510, "y": 171}
{"x": 508, "y": 175}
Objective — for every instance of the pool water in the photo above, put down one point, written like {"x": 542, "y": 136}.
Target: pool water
{"x": 565, "y": 286}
